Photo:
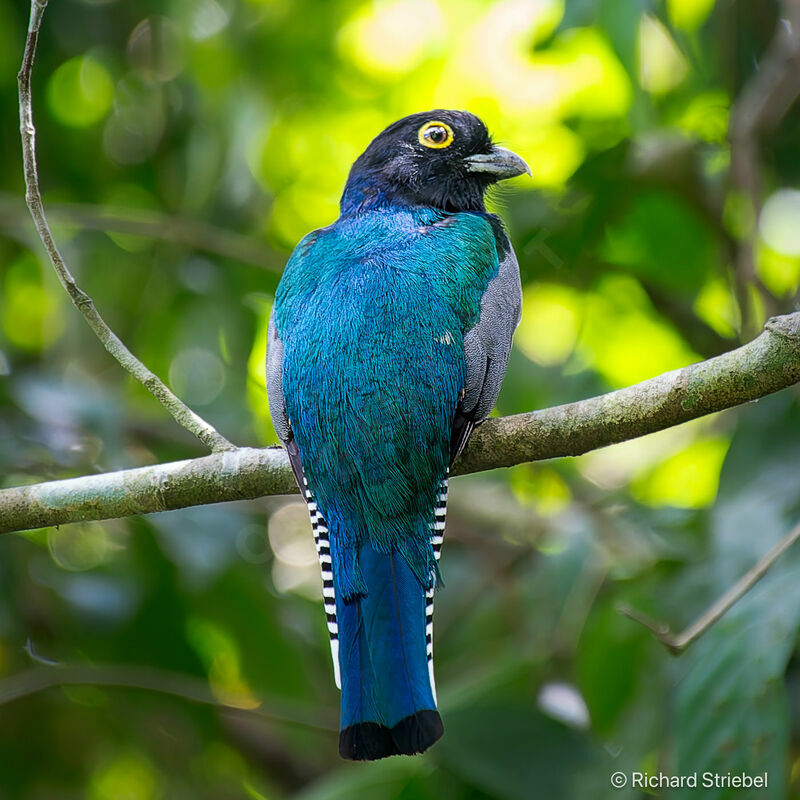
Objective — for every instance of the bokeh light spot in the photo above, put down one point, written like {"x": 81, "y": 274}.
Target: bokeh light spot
{"x": 128, "y": 776}
{"x": 391, "y": 38}
{"x": 208, "y": 19}
{"x": 623, "y": 338}
{"x": 540, "y": 487}
{"x": 549, "y": 326}
{"x": 295, "y": 568}
{"x": 662, "y": 66}
{"x": 780, "y": 273}
{"x": 218, "y": 651}
{"x": 82, "y": 546}
{"x": 155, "y": 49}
{"x": 80, "y": 92}
{"x": 31, "y": 315}
{"x": 689, "y": 479}
{"x": 132, "y": 133}
{"x": 197, "y": 375}
{"x": 716, "y": 306}
{"x": 553, "y": 153}
{"x": 689, "y": 14}
{"x": 778, "y": 222}
{"x": 613, "y": 467}
{"x": 289, "y": 535}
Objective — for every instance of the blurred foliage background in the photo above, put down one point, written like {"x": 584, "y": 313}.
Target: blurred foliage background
{"x": 184, "y": 148}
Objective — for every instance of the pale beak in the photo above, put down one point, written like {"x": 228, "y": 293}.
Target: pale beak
{"x": 499, "y": 162}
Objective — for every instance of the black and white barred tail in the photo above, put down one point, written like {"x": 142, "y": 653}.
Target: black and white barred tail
{"x": 322, "y": 541}
{"x": 437, "y": 538}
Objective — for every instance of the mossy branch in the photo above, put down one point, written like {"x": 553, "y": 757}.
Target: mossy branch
{"x": 767, "y": 364}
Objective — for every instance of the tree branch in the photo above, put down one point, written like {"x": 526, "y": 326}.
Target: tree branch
{"x": 761, "y": 105}
{"x": 187, "y": 687}
{"x": 764, "y": 365}
{"x": 189, "y": 233}
{"x": 676, "y": 643}
{"x": 33, "y": 196}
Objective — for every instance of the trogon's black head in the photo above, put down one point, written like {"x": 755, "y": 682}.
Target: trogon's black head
{"x": 441, "y": 159}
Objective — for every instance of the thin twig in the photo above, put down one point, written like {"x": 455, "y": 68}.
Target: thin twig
{"x": 188, "y": 233}
{"x": 765, "y": 365}
{"x": 187, "y": 687}
{"x": 761, "y": 105}
{"x": 182, "y": 413}
{"x": 676, "y": 643}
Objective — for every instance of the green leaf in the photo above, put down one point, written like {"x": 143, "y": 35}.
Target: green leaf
{"x": 512, "y": 752}
{"x": 608, "y": 662}
{"x": 732, "y": 706}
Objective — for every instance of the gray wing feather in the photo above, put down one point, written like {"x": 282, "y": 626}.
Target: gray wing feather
{"x": 487, "y": 346}
{"x": 277, "y": 408}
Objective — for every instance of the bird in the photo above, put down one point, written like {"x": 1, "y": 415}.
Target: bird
{"x": 388, "y": 341}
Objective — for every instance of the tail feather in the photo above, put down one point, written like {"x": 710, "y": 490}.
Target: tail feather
{"x": 381, "y": 643}
{"x": 388, "y": 705}
{"x": 369, "y": 741}
{"x": 319, "y": 528}
{"x": 437, "y": 537}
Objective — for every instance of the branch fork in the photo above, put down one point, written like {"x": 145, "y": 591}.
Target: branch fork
{"x": 676, "y": 643}
{"x": 182, "y": 414}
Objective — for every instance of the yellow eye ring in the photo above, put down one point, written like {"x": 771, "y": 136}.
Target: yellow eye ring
{"x": 430, "y": 134}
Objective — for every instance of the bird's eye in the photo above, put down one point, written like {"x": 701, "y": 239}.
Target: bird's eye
{"x": 436, "y": 134}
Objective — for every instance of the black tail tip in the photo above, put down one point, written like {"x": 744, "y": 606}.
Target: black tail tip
{"x": 369, "y": 741}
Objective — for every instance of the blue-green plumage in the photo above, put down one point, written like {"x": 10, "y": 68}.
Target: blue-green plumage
{"x": 389, "y": 337}
{"x": 372, "y": 312}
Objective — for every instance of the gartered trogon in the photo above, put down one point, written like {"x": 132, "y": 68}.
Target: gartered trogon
{"x": 388, "y": 342}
